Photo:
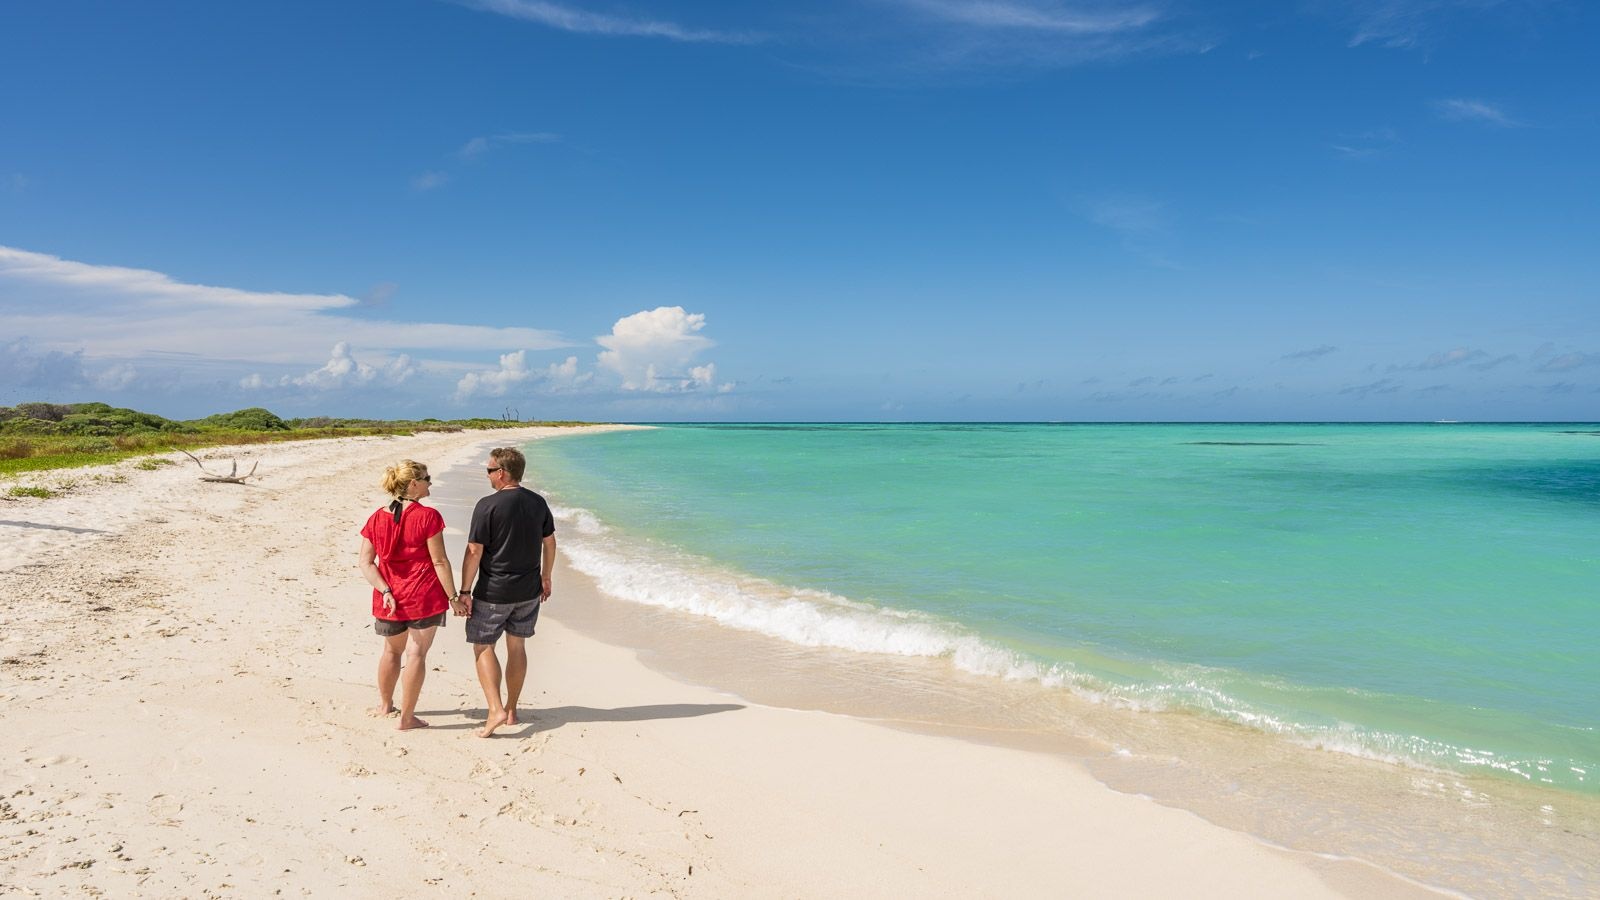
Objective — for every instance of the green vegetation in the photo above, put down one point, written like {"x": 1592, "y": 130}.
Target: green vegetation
{"x": 18, "y": 490}
{"x": 36, "y": 436}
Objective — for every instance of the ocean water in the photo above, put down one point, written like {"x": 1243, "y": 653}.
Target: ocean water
{"x": 1422, "y": 593}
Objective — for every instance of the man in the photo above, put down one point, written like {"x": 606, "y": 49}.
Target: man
{"x": 511, "y": 548}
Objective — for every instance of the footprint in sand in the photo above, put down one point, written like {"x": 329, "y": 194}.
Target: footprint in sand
{"x": 165, "y": 808}
{"x": 482, "y": 771}
{"x": 356, "y": 770}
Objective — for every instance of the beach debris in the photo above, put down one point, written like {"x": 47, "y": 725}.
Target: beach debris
{"x": 233, "y": 476}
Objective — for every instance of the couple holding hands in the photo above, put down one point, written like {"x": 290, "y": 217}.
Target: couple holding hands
{"x": 511, "y": 548}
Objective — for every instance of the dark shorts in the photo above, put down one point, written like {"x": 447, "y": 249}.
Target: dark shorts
{"x": 387, "y": 628}
{"x": 490, "y": 620}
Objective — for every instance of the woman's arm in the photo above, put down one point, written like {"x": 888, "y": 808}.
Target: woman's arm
{"x": 369, "y": 570}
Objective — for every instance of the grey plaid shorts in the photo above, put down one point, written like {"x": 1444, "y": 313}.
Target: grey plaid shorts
{"x": 490, "y": 620}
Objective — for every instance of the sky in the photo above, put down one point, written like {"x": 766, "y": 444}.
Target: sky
{"x": 857, "y": 210}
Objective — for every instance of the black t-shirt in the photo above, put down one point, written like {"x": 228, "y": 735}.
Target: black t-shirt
{"x": 511, "y": 525}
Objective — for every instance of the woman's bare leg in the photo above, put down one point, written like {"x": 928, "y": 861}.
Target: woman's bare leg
{"x": 389, "y": 672}
{"x": 416, "y": 669}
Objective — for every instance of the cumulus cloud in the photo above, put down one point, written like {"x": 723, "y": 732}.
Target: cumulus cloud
{"x": 341, "y": 371}
{"x": 513, "y": 371}
{"x": 652, "y": 351}
{"x": 126, "y": 314}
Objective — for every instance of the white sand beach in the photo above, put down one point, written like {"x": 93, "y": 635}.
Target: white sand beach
{"x": 185, "y": 676}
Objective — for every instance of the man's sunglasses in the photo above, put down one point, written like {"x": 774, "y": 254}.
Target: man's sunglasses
{"x": 494, "y": 470}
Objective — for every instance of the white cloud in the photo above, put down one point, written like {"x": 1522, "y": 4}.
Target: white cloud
{"x": 341, "y": 371}
{"x": 115, "y": 378}
{"x": 478, "y": 146}
{"x": 1129, "y": 215}
{"x": 652, "y": 351}
{"x": 428, "y": 181}
{"x": 565, "y": 18}
{"x": 1442, "y": 360}
{"x": 513, "y": 370}
{"x": 1473, "y": 111}
{"x": 494, "y": 383}
{"x": 112, "y": 313}
{"x": 1050, "y": 17}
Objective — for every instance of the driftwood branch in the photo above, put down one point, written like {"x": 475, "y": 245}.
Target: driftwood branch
{"x": 233, "y": 476}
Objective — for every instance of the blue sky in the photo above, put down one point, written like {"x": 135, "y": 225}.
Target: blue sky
{"x": 845, "y": 209}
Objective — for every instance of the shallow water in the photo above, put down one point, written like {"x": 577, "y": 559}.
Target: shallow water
{"x": 1411, "y": 592}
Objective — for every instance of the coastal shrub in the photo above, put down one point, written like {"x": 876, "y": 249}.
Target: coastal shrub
{"x": 15, "y": 448}
{"x": 153, "y": 463}
{"x": 252, "y": 419}
{"x": 28, "y": 490}
{"x": 46, "y": 412}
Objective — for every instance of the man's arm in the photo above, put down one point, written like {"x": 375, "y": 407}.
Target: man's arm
{"x": 469, "y": 573}
{"x": 547, "y": 563}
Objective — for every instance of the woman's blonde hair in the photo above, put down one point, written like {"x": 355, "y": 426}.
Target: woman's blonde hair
{"x": 399, "y": 476}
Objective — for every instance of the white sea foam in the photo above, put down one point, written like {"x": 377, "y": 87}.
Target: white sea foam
{"x": 811, "y": 618}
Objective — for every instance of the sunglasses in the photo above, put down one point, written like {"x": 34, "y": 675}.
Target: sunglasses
{"x": 427, "y": 478}
{"x": 493, "y": 470}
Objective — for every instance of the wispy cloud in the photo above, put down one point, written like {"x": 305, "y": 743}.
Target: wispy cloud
{"x": 1402, "y": 24}
{"x": 1443, "y": 360}
{"x": 479, "y": 146}
{"x": 1366, "y": 145}
{"x": 1129, "y": 215}
{"x": 428, "y": 181}
{"x": 1495, "y": 363}
{"x": 566, "y": 18}
{"x": 1317, "y": 352}
{"x": 1050, "y": 17}
{"x": 1381, "y": 386}
{"x": 115, "y": 313}
{"x": 1566, "y": 362}
{"x": 1461, "y": 110}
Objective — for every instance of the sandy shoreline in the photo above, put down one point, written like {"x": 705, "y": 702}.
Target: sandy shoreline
{"x": 186, "y": 669}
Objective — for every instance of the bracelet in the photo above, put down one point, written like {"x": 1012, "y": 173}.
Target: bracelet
{"x": 386, "y": 591}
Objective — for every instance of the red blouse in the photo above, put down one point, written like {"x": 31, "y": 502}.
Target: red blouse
{"x": 404, "y": 563}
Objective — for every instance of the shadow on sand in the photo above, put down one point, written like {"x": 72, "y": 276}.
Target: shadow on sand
{"x": 42, "y": 526}
{"x": 534, "y": 721}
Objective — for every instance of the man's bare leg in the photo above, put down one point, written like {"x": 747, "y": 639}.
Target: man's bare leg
{"x": 416, "y": 669}
{"x": 489, "y": 680}
{"x": 389, "y": 672}
{"x": 516, "y": 673}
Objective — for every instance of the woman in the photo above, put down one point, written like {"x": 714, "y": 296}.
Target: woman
{"x": 403, "y": 558}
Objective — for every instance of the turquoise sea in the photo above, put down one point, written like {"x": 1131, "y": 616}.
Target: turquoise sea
{"x": 1426, "y": 593}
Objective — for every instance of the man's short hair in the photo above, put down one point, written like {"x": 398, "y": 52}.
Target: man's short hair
{"x": 510, "y": 459}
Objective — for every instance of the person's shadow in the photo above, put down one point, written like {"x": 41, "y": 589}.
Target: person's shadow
{"x": 532, "y": 721}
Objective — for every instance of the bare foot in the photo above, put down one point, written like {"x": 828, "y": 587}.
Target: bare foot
{"x": 408, "y": 724}
{"x": 494, "y": 721}
{"x": 511, "y": 717}
{"x": 383, "y": 712}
